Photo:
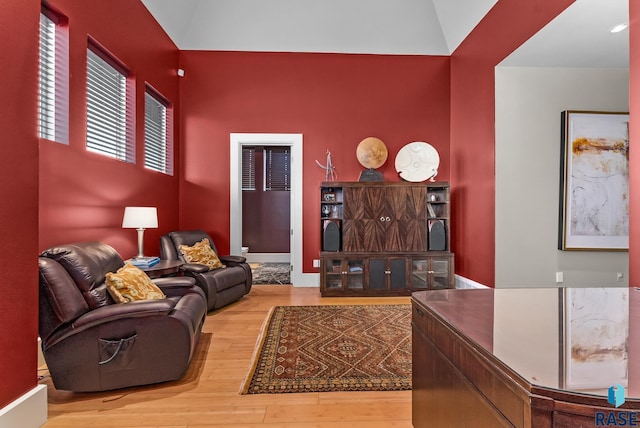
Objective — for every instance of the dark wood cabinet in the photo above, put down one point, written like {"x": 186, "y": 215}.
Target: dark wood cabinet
{"x": 397, "y": 234}
{"x": 385, "y": 218}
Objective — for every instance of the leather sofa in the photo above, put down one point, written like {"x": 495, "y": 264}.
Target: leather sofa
{"x": 91, "y": 343}
{"x": 221, "y": 286}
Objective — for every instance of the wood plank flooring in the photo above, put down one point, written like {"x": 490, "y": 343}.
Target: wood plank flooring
{"x": 208, "y": 394}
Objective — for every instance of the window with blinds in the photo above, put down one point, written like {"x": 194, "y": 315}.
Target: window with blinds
{"x": 158, "y": 133}
{"x": 270, "y": 164}
{"x": 248, "y": 168}
{"x": 53, "y": 79}
{"x": 277, "y": 169}
{"x": 110, "y": 107}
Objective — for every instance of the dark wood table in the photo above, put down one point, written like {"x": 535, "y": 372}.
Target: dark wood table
{"x": 525, "y": 357}
{"x": 163, "y": 268}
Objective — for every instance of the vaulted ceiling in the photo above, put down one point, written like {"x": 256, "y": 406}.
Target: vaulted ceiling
{"x": 579, "y": 37}
{"x": 423, "y": 27}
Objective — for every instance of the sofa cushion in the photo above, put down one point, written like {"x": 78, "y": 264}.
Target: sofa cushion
{"x": 201, "y": 253}
{"x": 130, "y": 283}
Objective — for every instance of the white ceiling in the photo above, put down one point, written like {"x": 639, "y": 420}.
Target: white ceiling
{"x": 579, "y": 37}
{"x": 422, "y": 27}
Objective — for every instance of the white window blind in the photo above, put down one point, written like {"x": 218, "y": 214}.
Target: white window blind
{"x": 248, "y": 168}
{"x": 110, "y": 108}
{"x": 158, "y": 133}
{"x": 53, "y": 94}
{"x": 277, "y": 161}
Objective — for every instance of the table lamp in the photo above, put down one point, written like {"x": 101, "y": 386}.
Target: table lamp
{"x": 140, "y": 218}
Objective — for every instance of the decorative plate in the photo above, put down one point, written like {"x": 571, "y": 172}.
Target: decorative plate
{"x": 371, "y": 152}
{"x": 417, "y": 161}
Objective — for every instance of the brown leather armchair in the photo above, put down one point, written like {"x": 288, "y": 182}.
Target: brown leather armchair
{"x": 91, "y": 343}
{"x": 221, "y": 286}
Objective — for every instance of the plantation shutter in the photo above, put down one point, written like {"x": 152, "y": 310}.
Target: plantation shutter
{"x": 158, "y": 135}
{"x": 277, "y": 169}
{"x": 108, "y": 111}
{"x": 248, "y": 168}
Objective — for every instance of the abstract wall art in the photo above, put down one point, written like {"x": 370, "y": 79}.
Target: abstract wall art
{"x": 594, "y": 181}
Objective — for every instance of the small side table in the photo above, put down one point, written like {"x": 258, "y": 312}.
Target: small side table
{"x": 163, "y": 268}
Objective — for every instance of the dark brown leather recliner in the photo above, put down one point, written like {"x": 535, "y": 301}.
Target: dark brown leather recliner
{"x": 91, "y": 343}
{"x": 221, "y": 286}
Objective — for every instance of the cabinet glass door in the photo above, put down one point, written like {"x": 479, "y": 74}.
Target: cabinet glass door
{"x": 355, "y": 274}
{"x": 440, "y": 269}
{"x": 420, "y": 274}
{"x": 333, "y": 273}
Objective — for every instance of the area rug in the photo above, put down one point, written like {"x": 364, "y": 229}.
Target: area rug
{"x": 271, "y": 273}
{"x": 332, "y": 348}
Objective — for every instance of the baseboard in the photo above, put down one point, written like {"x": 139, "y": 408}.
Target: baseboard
{"x": 268, "y": 257}
{"x": 465, "y": 283}
{"x": 28, "y": 411}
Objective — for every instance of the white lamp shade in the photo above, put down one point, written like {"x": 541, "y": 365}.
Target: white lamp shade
{"x": 140, "y": 218}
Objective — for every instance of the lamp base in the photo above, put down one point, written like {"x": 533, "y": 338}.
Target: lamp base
{"x": 140, "y": 243}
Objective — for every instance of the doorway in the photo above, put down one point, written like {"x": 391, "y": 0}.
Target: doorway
{"x": 294, "y": 142}
{"x": 266, "y": 203}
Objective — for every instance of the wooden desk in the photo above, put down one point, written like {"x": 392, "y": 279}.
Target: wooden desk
{"x": 500, "y": 358}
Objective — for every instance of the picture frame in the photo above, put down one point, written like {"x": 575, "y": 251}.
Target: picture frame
{"x": 329, "y": 197}
{"x": 594, "y": 181}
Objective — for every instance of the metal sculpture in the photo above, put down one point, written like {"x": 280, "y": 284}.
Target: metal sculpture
{"x": 330, "y": 170}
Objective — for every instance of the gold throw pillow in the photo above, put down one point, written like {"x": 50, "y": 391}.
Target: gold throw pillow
{"x": 130, "y": 283}
{"x": 201, "y": 253}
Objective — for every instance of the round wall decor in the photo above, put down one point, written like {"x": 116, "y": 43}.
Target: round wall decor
{"x": 417, "y": 161}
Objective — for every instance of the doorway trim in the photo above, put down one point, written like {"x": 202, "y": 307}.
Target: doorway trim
{"x": 237, "y": 140}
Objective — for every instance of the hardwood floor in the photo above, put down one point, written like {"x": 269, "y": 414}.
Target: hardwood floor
{"x": 208, "y": 394}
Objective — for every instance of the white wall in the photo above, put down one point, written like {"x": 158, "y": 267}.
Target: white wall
{"x": 529, "y": 102}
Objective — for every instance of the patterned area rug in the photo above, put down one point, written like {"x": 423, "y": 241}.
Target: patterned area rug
{"x": 333, "y": 348}
{"x": 271, "y": 273}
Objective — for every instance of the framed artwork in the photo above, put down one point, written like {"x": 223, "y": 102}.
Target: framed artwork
{"x": 594, "y": 181}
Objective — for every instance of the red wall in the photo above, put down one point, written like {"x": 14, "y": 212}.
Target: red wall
{"x": 507, "y": 26}
{"x": 19, "y": 21}
{"x": 82, "y": 194}
{"x": 333, "y": 100}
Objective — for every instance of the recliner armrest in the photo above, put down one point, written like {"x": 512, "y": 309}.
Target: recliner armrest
{"x": 195, "y": 268}
{"x": 176, "y": 286}
{"x": 232, "y": 260}
{"x": 174, "y": 282}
